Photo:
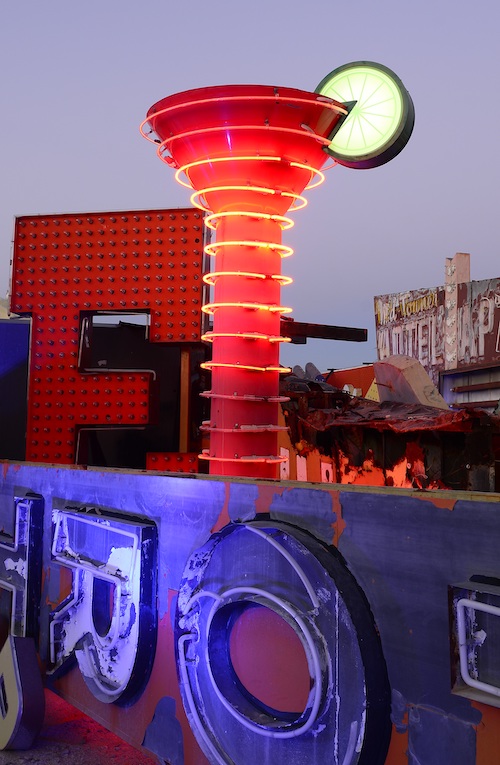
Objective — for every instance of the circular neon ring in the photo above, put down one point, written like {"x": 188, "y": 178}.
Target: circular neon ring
{"x": 212, "y": 276}
{"x": 210, "y": 308}
{"x": 243, "y": 367}
{"x": 299, "y": 202}
{"x": 246, "y": 397}
{"x": 320, "y": 176}
{"x": 164, "y": 146}
{"x": 248, "y": 458}
{"x": 274, "y": 566}
{"x": 200, "y": 162}
{"x": 209, "y": 337}
{"x": 315, "y": 173}
{"x": 284, "y": 250}
{"x": 320, "y": 101}
{"x": 245, "y": 429}
{"x": 212, "y": 220}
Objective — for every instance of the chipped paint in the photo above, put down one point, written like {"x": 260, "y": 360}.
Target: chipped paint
{"x": 401, "y": 445}
{"x": 19, "y": 566}
{"x": 391, "y": 540}
{"x": 99, "y": 621}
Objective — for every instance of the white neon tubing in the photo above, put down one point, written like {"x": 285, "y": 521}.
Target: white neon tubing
{"x": 72, "y": 560}
{"x": 197, "y": 596}
{"x": 74, "y": 557}
{"x": 298, "y": 570}
{"x": 226, "y": 595}
{"x": 56, "y": 620}
{"x": 191, "y": 702}
{"x": 315, "y": 661}
{"x": 109, "y": 689}
{"x": 112, "y": 636}
{"x": 462, "y": 604}
{"x": 353, "y": 740}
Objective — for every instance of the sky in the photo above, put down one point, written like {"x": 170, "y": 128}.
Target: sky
{"x": 78, "y": 78}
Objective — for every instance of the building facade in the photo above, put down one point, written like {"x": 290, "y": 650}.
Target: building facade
{"x": 453, "y": 330}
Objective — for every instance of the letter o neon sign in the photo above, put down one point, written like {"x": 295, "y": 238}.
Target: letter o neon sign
{"x": 270, "y": 567}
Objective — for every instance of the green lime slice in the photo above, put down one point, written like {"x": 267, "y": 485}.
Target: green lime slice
{"x": 381, "y": 116}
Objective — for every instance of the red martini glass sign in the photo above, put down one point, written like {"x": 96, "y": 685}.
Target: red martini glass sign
{"x": 248, "y": 153}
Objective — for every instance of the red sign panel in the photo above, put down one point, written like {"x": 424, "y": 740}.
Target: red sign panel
{"x": 67, "y": 267}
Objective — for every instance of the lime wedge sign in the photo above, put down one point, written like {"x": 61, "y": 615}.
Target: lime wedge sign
{"x": 381, "y": 114}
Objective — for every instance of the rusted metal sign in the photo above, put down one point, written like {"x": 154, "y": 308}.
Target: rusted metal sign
{"x": 412, "y": 324}
{"x": 441, "y": 331}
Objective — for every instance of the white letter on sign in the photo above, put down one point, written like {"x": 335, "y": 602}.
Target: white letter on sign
{"x": 109, "y": 619}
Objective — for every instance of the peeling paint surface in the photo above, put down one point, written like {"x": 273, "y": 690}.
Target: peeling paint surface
{"x": 409, "y": 589}
{"x": 21, "y": 520}
{"x": 19, "y": 566}
{"x": 107, "y": 616}
{"x": 345, "y": 715}
{"x": 404, "y": 549}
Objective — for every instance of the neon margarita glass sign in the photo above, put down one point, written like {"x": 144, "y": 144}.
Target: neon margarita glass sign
{"x": 249, "y": 152}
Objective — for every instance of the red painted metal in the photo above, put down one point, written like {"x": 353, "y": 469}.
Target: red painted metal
{"x": 248, "y": 151}
{"x": 173, "y": 462}
{"x": 66, "y": 267}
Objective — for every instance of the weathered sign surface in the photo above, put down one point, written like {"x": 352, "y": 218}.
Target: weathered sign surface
{"x": 441, "y": 332}
{"x": 213, "y": 620}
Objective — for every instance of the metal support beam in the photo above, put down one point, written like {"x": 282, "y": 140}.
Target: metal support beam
{"x": 299, "y": 331}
